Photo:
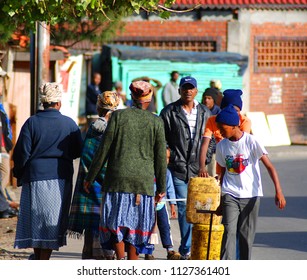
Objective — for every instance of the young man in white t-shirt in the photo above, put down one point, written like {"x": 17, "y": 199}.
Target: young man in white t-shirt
{"x": 238, "y": 154}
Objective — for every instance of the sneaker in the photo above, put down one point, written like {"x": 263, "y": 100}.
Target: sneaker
{"x": 149, "y": 257}
{"x": 173, "y": 255}
{"x": 186, "y": 256}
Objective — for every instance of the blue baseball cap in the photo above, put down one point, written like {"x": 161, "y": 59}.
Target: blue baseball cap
{"x": 188, "y": 80}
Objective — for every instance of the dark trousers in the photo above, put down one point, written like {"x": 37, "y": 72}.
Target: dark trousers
{"x": 164, "y": 228}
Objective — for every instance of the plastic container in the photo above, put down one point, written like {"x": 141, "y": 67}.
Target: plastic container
{"x": 202, "y": 237}
{"x": 203, "y": 194}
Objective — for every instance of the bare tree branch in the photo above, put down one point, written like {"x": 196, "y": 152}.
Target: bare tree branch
{"x": 81, "y": 39}
{"x": 178, "y": 12}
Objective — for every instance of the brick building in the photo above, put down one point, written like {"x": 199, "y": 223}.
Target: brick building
{"x": 272, "y": 33}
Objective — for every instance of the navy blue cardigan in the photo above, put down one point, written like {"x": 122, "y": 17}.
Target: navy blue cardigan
{"x": 45, "y": 149}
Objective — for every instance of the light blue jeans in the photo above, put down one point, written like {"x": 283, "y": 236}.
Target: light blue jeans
{"x": 181, "y": 190}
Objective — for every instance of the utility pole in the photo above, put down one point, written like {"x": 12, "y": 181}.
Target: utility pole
{"x": 39, "y": 61}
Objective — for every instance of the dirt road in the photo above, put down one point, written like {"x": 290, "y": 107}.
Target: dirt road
{"x": 7, "y": 237}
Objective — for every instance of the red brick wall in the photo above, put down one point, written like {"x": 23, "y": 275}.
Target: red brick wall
{"x": 293, "y": 85}
{"x": 177, "y": 29}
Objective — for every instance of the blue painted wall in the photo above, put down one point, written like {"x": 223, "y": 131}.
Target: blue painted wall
{"x": 127, "y": 70}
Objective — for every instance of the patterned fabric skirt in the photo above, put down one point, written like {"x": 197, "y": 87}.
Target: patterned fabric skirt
{"x": 85, "y": 210}
{"x": 84, "y": 217}
{"x": 123, "y": 220}
{"x": 43, "y": 215}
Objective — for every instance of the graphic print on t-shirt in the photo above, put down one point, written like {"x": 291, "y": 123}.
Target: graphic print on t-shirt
{"x": 236, "y": 164}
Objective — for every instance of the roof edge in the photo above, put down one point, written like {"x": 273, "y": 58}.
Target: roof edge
{"x": 240, "y": 6}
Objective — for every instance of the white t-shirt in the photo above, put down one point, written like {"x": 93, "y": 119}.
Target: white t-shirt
{"x": 192, "y": 118}
{"x": 242, "y": 177}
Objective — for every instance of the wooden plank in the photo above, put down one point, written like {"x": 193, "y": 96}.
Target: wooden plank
{"x": 279, "y": 130}
{"x": 260, "y": 127}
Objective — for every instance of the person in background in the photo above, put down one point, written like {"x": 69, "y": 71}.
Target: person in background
{"x": 230, "y": 96}
{"x": 170, "y": 91}
{"x": 121, "y": 95}
{"x": 217, "y": 85}
{"x": 84, "y": 215}
{"x": 156, "y": 86}
{"x": 6, "y": 147}
{"x": 91, "y": 98}
{"x": 134, "y": 147}
{"x": 163, "y": 218}
{"x": 5, "y": 210}
{"x": 239, "y": 154}
{"x": 43, "y": 165}
{"x": 184, "y": 123}
{"x": 209, "y": 99}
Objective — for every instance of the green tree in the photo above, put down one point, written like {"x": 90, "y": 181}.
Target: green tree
{"x": 90, "y": 19}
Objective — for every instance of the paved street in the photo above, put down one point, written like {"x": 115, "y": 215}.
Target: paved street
{"x": 281, "y": 235}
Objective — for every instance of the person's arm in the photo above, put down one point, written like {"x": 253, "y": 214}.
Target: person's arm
{"x": 140, "y": 79}
{"x": 157, "y": 82}
{"x": 204, "y": 147}
{"x": 22, "y": 151}
{"x": 160, "y": 160}
{"x": 173, "y": 211}
{"x": 219, "y": 209}
{"x": 170, "y": 189}
{"x": 202, "y": 158}
{"x": 280, "y": 200}
{"x": 221, "y": 163}
{"x": 221, "y": 178}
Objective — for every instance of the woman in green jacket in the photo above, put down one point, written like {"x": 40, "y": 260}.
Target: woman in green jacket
{"x": 134, "y": 146}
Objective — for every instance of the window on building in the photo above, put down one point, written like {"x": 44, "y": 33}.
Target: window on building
{"x": 281, "y": 54}
{"x": 192, "y": 44}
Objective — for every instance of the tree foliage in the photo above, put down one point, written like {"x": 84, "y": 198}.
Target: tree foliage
{"x": 103, "y": 15}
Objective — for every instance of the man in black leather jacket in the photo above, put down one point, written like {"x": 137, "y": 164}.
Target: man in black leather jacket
{"x": 184, "y": 123}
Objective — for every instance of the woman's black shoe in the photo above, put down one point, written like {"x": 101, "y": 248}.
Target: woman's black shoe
{"x": 8, "y": 213}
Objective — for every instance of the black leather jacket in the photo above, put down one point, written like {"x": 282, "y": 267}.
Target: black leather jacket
{"x": 184, "y": 159}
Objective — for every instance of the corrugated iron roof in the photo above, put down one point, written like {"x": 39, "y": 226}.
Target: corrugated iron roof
{"x": 242, "y": 3}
